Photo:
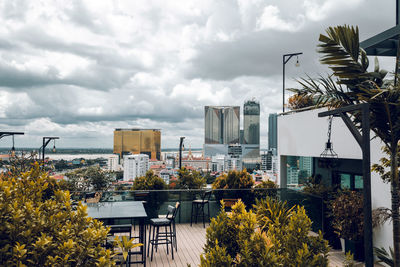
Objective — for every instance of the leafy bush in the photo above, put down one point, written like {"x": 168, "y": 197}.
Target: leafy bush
{"x": 91, "y": 178}
{"x": 270, "y": 211}
{"x": 234, "y": 239}
{"x": 190, "y": 179}
{"x": 234, "y": 180}
{"x": 267, "y": 184}
{"x": 348, "y": 215}
{"x": 38, "y": 228}
{"x": 149, "y": 182}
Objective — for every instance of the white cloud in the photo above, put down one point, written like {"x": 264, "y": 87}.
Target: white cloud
{"x": 271, "y": 20}
{"x": 79, "y": 69}
{"x": 317, "y": 10}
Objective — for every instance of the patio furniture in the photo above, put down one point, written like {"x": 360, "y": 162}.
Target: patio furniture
{"x": 166, "y": 237}
{"x": 198, "y": 208}
{"x": 172, "y": 217}
{"x": 111, "y": 212}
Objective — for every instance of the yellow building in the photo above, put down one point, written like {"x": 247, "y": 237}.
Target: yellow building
{"x": 138, "y": 141}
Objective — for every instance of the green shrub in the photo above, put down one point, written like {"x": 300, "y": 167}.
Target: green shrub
{"x": 348, "y": 214}
{"x": 267, "y": 184}
{"x": 234, "y": 180}
{"x": 190, "y": 179}
{"x": 40, "y": 228}
{"x": 149, "y": 182}
{"x": 217, "y": 257}
{"x": 272, "y": 211}
{"x": 285, "y": 241}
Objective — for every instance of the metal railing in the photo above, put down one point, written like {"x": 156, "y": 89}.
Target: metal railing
{"x": 157, "y": 201}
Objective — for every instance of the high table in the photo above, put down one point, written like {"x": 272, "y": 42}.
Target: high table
{"x": 131, "y": 210}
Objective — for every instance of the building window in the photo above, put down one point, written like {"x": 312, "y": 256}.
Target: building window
{"x": 350, "y": 181}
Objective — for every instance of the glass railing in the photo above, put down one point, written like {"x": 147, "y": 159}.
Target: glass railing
{"x": 157, "y": 201}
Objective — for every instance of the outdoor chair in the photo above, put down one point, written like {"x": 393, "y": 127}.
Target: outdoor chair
{"x": 170, "y": 216}
{"x": 166, "y": 237}
{"x": 198, "y": 208}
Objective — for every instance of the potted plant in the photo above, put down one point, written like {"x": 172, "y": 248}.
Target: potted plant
{"x": 348, "y": 221}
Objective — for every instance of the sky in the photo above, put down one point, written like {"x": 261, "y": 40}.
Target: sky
{"x": 80, "y": 69}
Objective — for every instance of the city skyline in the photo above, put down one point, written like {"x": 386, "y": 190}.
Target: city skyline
{"x": 79, "y": 71}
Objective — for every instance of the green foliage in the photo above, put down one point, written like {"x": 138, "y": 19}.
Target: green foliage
{"x": 267, "y": 184}
{"x": 42, "y": 229}
{"x": 234, "y": 180}
{"x": 217, "y": 256}
{"x": 354, "y": 85}
{"x": 383, "y": 169}
{"x": 209, "y": 178}
{"x": 91, "y": 178}
{"x": 383, "y": 256}
{"x": 125, "y": 245}
{"x": 270, "y": 211}
{"x": 349, "y": 260}
{"x": 299, "y": 102}
{"x": 190, "y": 179}
{"x": 348, "y": 215}
{"x": 149, "y": 182}
{"x": 234, "y": 239}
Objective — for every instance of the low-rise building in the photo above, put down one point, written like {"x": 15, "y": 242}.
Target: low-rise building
{"x": 135, "y": 166}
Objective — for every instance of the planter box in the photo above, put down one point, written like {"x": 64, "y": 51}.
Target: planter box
{"x": 355, "y": 247}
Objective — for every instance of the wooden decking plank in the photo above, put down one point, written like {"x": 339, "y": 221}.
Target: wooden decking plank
{"x": 191, "y": 241}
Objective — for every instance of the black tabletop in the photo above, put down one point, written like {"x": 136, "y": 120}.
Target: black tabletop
{"x": 116, "y": 210}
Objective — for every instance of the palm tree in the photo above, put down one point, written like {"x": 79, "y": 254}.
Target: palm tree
{"x": 350, "y": 84}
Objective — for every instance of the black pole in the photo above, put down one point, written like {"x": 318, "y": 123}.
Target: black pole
{"x": 369, "y": 257}
{"x": 284, "y": 61}
{"x": 180, "y": 152}
{"x": 46, "y": 141}
{"x": 364, "y": 142}
{"x": 283, "y": 82}
{"x": 43, "y": 147}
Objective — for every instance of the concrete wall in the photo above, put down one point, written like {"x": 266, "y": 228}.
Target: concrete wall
{"x": 305, "y": 134}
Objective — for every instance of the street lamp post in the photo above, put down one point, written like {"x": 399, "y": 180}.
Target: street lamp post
{"x": 3, "y": 134}
{"x": 180, "y": 152}
{"x": 46, "y": 141}
{"x": 285, "y": 59}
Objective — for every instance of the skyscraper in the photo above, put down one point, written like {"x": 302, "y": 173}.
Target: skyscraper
{"x": 138, "y": 141}
{"x": 251, "y": 122}
{"x": 273, "y": 132}
{"x": 221, "y": 124}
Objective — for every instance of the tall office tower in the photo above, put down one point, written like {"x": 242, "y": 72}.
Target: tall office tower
{"x": 138, "y": 141}
{"x": 251, "y": 122}
{"x": 273, "y": 132}
{"x": 222, "y": 124}
{"x": 135, "y": 166}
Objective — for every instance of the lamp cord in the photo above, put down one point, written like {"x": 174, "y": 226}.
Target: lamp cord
{"x": 330, "y": 128}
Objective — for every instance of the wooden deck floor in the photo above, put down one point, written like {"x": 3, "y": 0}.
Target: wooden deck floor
{"x": 190, "y": 245}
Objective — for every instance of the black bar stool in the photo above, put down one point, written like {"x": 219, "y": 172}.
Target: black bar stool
{"x": 198, "y": 207}
{"x": 166, "y": 237}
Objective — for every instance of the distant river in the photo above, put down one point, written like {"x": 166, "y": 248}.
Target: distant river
{"x": 77, "y": 156}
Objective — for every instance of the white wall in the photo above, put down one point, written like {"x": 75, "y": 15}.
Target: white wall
{"x": 305, "y": 134}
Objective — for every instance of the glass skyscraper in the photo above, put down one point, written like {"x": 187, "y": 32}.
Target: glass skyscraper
{"x": 251, "y": 122}
{"x": 273, "y": 132}
{"x": 222, "y": 124}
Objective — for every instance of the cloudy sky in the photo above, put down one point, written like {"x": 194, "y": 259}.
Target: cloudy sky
{"x": 79, "y": 69}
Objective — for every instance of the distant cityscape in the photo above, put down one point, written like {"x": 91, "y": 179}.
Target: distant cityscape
{"x": 226, "y": 147}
